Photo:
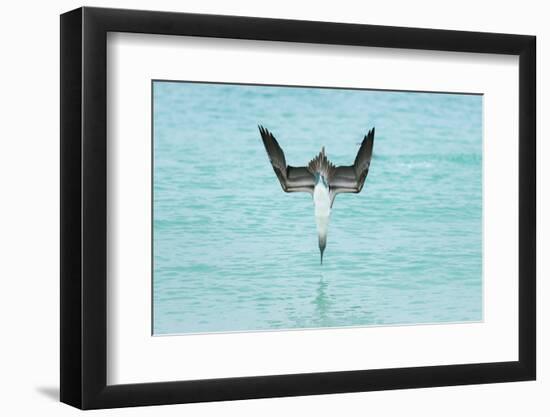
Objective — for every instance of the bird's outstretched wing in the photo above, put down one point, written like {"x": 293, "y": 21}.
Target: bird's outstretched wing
{"x": 292, "y": 179}
{"x": 350, "y": 179}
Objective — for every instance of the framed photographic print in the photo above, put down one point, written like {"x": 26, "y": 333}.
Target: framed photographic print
{"x": 257, "y": 207}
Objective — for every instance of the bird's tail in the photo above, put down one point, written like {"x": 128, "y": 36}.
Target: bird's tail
{"x": 322, "y": 165}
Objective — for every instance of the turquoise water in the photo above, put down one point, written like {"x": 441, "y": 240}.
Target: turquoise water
{"x": 233, "y": 252}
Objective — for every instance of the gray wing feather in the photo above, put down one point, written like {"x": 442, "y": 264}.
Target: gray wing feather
{"x": 292, "y": 179}
{"x": 350, "y": 179}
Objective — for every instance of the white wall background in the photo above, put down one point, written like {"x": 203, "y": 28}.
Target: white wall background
{"x": 29, "y": 226}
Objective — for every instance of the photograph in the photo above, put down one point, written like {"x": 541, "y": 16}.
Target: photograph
{"x": 280, "y": 208}
{"x": 275, "y": 209}
{"x": 265, "y": 205}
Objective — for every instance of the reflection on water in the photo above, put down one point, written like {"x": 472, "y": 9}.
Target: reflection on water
{"x": 322, "y": 302}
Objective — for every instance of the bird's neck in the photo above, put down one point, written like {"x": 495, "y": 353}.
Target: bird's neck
{"x": 321, "y": 200}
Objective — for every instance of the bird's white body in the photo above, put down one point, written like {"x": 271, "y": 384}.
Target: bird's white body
{"x": 321, "y": 200}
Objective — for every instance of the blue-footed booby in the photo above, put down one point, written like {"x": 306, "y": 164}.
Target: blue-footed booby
{"x": 321, "y": 178}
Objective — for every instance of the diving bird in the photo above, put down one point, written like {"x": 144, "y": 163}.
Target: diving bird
{"x": 321, "y": 178}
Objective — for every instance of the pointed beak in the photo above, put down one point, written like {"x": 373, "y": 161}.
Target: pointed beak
{"x": 322, "y": 245}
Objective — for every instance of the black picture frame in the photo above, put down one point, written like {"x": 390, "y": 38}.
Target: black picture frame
{"x": 84, "y": 207}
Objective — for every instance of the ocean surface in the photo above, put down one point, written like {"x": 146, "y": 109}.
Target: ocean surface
{"x": 233, "y": 252}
